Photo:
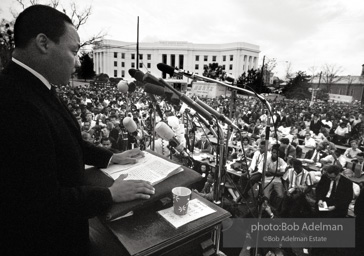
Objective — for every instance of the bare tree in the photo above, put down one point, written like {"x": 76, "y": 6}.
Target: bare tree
{"x": 330, "y": 75}
{"x": 289, "y": 73}
{"x": 314, "y": 72}
{"x": 79, "y": 16}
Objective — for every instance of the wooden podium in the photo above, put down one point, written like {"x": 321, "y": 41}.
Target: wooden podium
{"x": 148, "y": 233}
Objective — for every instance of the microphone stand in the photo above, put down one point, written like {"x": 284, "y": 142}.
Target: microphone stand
{"x": 220, "y": 163}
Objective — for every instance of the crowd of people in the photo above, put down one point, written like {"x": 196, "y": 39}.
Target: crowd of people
{"x": 50, "y": 132}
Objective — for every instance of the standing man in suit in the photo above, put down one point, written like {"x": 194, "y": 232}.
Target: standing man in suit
{"x": 44, "y": 203}
{"x": 203, "y": 144}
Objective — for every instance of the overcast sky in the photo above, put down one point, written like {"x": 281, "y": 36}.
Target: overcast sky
{"x": 306, "y": 33}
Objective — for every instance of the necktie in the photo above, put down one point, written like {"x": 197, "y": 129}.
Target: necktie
{"x": 333, "y": 191}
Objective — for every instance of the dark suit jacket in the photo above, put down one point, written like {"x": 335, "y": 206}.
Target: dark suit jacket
{"x": 310, "y": 153}
{"x": 206, "y": 147}
{"x": 44, "y": 205}
{"x": 343, "y": 195}
{"x": 291, "y": 151}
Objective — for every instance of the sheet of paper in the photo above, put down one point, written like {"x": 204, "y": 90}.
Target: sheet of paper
{"x": 196, "y": 210}
{"x": 324, "y": 208}
{"x": 150, "y": 168}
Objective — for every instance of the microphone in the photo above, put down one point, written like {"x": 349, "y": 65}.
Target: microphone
{"x": 215, "y": 113}
{"x": 182, "y": 97}
{"x": 131, "y": 127}
{"x": 124, "y": 87}
{"x": 173, "y": 71}
{"x": 166, "y": 133}
{"x": 230, "y": 78}
{"x": 132, "y": 72}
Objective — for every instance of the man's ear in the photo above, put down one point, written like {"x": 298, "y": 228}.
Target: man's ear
{"x": 42, "y": 43}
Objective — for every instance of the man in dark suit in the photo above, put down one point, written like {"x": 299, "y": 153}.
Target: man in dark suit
{"x": 203, "y": 144}
{"x": 336, "y": 190}
{"x": 286, "y": 150}
{"x": 44, "y": 204}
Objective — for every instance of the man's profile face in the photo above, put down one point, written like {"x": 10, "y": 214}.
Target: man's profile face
{"x": 63, "y": 56}
{"x": 203, "y": 138}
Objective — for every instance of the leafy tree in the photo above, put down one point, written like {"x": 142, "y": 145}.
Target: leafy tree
{"x": 214, "y": 71}
{"x": 252, "y": 80}
{"x": 6, "y": 42}
{"x": 86, "y": 71}
{"x": 297, "y": 87}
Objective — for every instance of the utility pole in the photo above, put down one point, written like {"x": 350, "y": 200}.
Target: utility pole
{"x": 262, "y": 77}
{"x": 137, "y": 46}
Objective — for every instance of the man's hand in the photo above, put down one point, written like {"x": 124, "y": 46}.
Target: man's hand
{"x": 127, "y": 157}
{"x": 128, "y": 190}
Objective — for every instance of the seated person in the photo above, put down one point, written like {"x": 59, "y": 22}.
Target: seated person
{"x": 314, "y": 155}
{"x": 299, "y": 182}
{"x": 334, "y": 158}
{"x": 248, "y": 149}
{"x": 203, "y": 144}
{"x": 286, "y": 150}
{"x": 254, "y": 174}
{"x": 353, "y": 151}
{"x": 336, "y": 190}
{"x": 309, "y": 142}
{"x": 276, "y": 167}
{"x": 106, "y": 143}
{"x": 207, "y": 191}
{"x": 341, "y": 134}
{"x": 318, "y": 137}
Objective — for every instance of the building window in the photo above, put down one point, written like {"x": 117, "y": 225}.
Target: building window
{"x": 115, "y": 73}
{"x": 244, "y": 57}
{"x": 224, "y": 58}
{"x": 149, "y": 56}
{"x": 115, "y": 63}
{"x": 223, "y": 67}
{"x": 140, "y": 65}
{"x": 133, "y": 64}
{"x": 164, "y": 58}
{"x": 115, "y": 54}
{"x": 149, "y": 65}
{"x": 133, "y": 56}
{"x": 214, "y": 58}
{"x": 122, "y": 73}
{"x": 196, "y": 66}
{"x": 181, "y": 61}
{"x": 173, "y": 60}
{"x": 123, "y": 64}
{"x": 231, "y": 66}
{"x": 231, "y": 57}
{"x": 123, "y": 55}
{"x": 205, "y": 58}
{"x": 140, "y": 56}
{"x": 197, "y": 57}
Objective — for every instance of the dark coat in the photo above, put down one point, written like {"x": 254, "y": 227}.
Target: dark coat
{"x": 44, "y": 205}
{"x": 343, "y": 195}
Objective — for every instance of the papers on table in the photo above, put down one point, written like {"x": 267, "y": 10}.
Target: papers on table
{"x": 150, "y": 168}
{"x": 196, "y": 210}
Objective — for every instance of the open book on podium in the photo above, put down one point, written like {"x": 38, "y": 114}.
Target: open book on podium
{"x": 163, "y": 173}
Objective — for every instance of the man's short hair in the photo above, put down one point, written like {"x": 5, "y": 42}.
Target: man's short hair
{"x": 333, "y": 169}
{"x": 284, "y": 141}
{"x": 38, "y": 19}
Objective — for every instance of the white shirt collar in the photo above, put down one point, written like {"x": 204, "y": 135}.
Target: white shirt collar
{"x": 35, "y": 73}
